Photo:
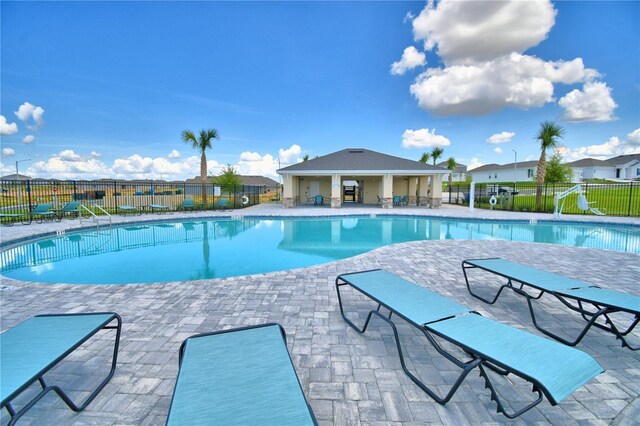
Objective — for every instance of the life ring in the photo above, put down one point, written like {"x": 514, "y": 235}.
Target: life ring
{"x": 245, "y": 200}
{"x": 493, "y": 200}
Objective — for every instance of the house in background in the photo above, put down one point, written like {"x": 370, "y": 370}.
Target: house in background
{"x": 591, "y": 168}
{"x": 523, "y": 171}
{"x": 266, "y": 184}
{"x": 625, "y": 166}
{"x": 459, "y": 175}
{"x": 362, "y": 176}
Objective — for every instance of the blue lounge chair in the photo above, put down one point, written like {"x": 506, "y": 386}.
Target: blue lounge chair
{"x": 187, "y": 205}
{"x": 403, "y": 201}
{"x": 242, "y": 376}
{"x": 8, "y": 219}
{"x": 129, "y": 209}
{"x": 319, "y": 200}
{"x": 42, "y": 212}
{"x": 159, "y": 207}
{"x": 222, "y": 204}
{"x": 71, "y": 208}
{"x": 32, "y": 348}
{"x": 576, "y": 295}
{"x": 397, "y": 201}
{"x": 554, "y": 370}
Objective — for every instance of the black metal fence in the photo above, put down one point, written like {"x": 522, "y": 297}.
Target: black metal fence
{"x": 614, "y": 199}
{"x": 20, "y": 196}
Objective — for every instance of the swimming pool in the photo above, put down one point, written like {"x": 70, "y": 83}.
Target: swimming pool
{"x": 190, "y": 250}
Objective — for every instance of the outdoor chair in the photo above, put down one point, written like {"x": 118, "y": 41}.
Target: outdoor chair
{"x": 129, "y": 209}
{"x": 397, "y": 200}
{"x": 222, "y": 204}
{"x": 379, "y": 202}
{"x": 242, "y": 376}
{"x": 590, "y": 301}
{"x": 158, "y": 207}
{"x": 554, "y": 370}
{"x": 319, "y": 200}
{"x": 33, "y": 347}
{"x": 403, "y": 201}
{"x": 187, "y": 205}
{"x": 42, "y": 212}
{"x": 72, "y": 208}
{"x": 8, "y": 219}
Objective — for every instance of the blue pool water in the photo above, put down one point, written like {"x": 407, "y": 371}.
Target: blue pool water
{"x": 191, "y": 250}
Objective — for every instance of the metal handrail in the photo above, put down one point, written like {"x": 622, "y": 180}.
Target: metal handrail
{"x": 96, "y": 219}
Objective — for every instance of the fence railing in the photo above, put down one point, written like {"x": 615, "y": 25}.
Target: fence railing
{"x": 18, "y": 197}
{"x": 615, "y": 199}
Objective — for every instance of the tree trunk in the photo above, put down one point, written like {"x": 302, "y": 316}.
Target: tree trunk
{"x": 203, "y": 176}
{"x": 542, "y": 170}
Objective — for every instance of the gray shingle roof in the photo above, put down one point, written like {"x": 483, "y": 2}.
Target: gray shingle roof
{"x": 357, "y": 159}
{"x": 622, "y": 159}
{"x": 492, "y": 167}
{"x": 589, "y": 162}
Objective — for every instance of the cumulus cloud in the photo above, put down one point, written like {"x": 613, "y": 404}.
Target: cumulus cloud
{"x": 592, "y": 103}
{"x": 8, "y": 152}
{"x": 634, "y": 137}
{"x": 474, "y": 163}
{"x": 28, "y": 139}
{"x": 68, "y": 155}
{"x": 410, "y": 59}
{"x": 497, "y": 150}
{"x": 502, "y": 137}
{"x": 29, "y": 113}
{"x": 423, "y": 138}
{"x": 611, "y": 148}
{"x": 465, "y": 32}
{"x": 174, "y": 154}
{"x": 512, "y": 81}
{"x": 7, "y": 128}
{"x": 290, "y": 155}
{"x": 95, "y": 154}
{"x": 252, "y": 163}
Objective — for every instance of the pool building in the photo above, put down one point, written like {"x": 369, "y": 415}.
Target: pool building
{"x": 361, "y": 176}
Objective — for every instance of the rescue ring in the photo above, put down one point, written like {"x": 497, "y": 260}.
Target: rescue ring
{"x": 245, "y": 200}
{"x": 493, "y": 200}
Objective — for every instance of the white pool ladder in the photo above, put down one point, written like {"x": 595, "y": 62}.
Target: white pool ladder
{"x": 94, "y": 217}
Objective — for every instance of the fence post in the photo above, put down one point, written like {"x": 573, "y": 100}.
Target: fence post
{"x": 630, "y": 197}
{"x": 29, "y": 192}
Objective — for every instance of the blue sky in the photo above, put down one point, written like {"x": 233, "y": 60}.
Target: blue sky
{"x": 104, "y": 89}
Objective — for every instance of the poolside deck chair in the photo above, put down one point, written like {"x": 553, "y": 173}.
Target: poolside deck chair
{"x": 222, "y": 204}
{"x": 590, "y": 301}
{"x": 8, "y": 219}
{"x": 242, "y": 376}
{"x": 187, "y": 205}
{"x": 554, "y": 370}
{"x": 318, "y": 200}
{"x": 397, "y": 200}
{"x": 33, "y": 347}
{"x": 129, "y": 209}
{"x": 42, "y": 212}
{"x": 403, "y": 200}
{"x": 71, "y": 208}
{"x": 158, "y": 207}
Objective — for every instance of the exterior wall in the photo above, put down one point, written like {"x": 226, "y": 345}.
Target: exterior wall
{"x": 632, "y": 172}
{"x": 401, "y": 185}
{"x": 324, "y": 187}
{"x": 504, "y": 175}
{"x": 372, "y": 189}
{"x": 599, "y": 173}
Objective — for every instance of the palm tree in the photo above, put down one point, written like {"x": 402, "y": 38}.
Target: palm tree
{"x": 451, "y": 165}
{"x": 436, "y": 153}
{"x": 201, "y": 143}
{"x": 424, "y": 158}
{"x": 548, "y": 137}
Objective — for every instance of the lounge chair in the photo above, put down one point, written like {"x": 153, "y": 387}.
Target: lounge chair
{"x": 33, "y": 347}
{"x": 8, "y": 219}
{"x": 576, "y": 295}
{"x": 158, "y": 207}
{"x": 187, "y": 205}
{"x": 397, "y": 201}
{"x": 42, "y": 212}
{"x": 71, "y": 208}
{"x": 403, "y": 200}
{"x": 554, "y": 370}
{"x": 222, "y": 204}
{"x": 318, "y": 201}
{"x": 242, "y": 376}
{"x": 129, "y": 209}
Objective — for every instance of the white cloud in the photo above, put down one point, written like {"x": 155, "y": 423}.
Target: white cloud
{"x": 502, "y": 137}
{"x": 476, "y": 31}
{"x": 593, "y": 103}
{"x": 7, "y": 128}
{"x": 634, "y": 137}
{"x": 174, "y": 154}
{"x": 26, "y": 112}
{"x": 95, "y": 154}
{"x": 68, "y": 155}
{"x": 497, "y": 150}
{"x": 28, "y": 139}
{"x": 411, "y": 58}
{"x": 423, "y": 138}
{"x": 290, "y": 155}
{"x": 511, "y": 81}
{"x": 611, "y": 148}
{"x": 252, "y": 163}
{"x": 8, "y": 152}
{"x": 474, "y": 163}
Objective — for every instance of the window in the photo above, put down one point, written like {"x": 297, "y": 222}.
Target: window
{"x": 495, "y": 176}
{"x": 529, "y": 173}
{"x": 638, "y": 171}
{"x": 489, "y": 176}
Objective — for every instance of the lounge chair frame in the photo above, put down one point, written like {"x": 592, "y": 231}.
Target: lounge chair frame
{"x": 45, "y": 388}
{"x": 477, "y": 360}
{"x": 284, "y": 337}
{"x": 589, "y": 309}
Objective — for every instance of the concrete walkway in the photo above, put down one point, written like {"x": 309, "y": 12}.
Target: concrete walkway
{"x": 348, "y": 378}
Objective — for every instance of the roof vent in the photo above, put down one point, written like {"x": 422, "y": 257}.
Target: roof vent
{"x": 355, "y": 151}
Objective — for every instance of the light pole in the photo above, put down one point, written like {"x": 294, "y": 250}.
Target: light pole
{"x": 18, "y": 177}
{"x": 515, "y": 162}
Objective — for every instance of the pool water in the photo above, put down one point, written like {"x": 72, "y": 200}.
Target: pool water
{"x": 192, "y": 250}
